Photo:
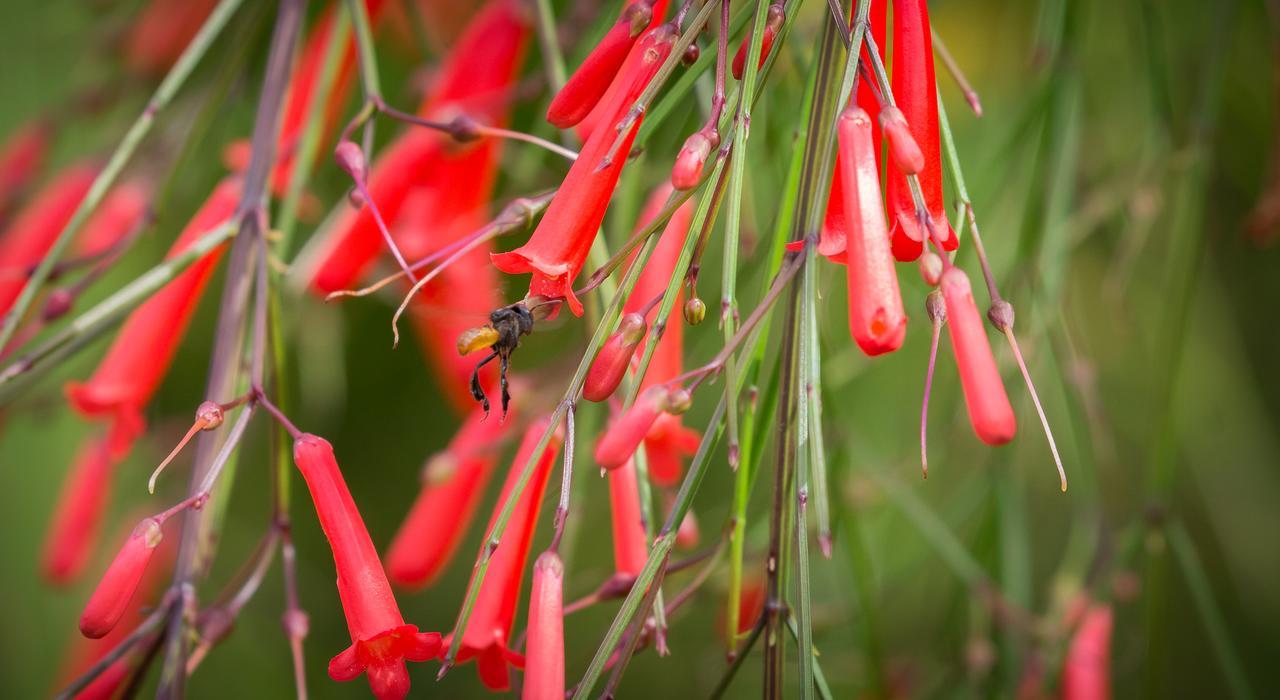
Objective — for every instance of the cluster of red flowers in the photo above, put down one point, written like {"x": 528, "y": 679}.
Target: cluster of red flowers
{"x": 422, "y": 197}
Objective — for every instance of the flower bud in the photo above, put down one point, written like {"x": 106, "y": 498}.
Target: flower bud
{"x": 687, "y": 171}
{"x": 903, "y": 149}
{"x": 355, "y": 198}
{"x": 110, "y": 599}
{"x": 1001, "y": 315}
{"x": 678, "y": 401}
{"x": 989, "y": 410}
{"x": 935, "y": 307}
{"x": 611, "y": 363}
{"x": 622, "y": 438}
{"x": 690, "y": 55}
{"x": 58, "y": 304}
{"x": 351, "y": 159}
{"x": 695, "y": 310}
{"x": 544, "y": 663}
{"x": 210, "y": 414}
{"x": 930, "y": 268}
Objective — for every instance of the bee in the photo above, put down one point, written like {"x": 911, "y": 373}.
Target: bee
{"x": 507, "y": 325}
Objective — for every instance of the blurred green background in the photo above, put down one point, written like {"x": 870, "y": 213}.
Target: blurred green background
{"x": 1122, "y": 150}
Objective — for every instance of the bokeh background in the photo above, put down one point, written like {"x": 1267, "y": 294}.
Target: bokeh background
{"x": 1115, "y": 171}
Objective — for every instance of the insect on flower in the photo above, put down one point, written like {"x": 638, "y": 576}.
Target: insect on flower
{"x": 501, "y": 336}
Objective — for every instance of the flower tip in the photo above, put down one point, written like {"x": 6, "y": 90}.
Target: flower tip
{"x": 930, "y": 268}
{"x": 903, "y": 148}
{"x": 687, "y": 171}
{"x": 351, "y": 159}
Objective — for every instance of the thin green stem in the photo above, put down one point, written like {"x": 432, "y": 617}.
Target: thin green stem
{"x": 368, "y": 55}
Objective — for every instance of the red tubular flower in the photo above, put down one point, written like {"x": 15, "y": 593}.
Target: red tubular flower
{"x": 544, "y": 668}
{"x": 607, "y": 370}
{"x": 558, "y": 248}
{"x": 162, "y": 32}
{"x": 118, "y": 215}
{"x": 381, "y": 642}
{"x": 489, "y": 630}
{"x": 603, "y": 113}
{"x": 620, "y": 441}
{"x": 1086, "y": 672}
{"x": 589, "y": 82}
{"x": 834, "y": 234}
{"x": 989, "y": 409}
{"x": 453, "y": 483}
{"x": 917, "y": 96}
{"x": 630, "y": 543}
{"x": 83, "y": 653}
{"x": 20, "y": 158}
{"x": 36, "y": 227}
{"x": 773, "y": 25}
{"x": 667, "y": 442}
{"x": 111, "y": 598}
{"x": 455, "y": 179}
{"x": 77, "y": 515}
{"x": 876, "y": 319}
{"x": 143, "y": 349}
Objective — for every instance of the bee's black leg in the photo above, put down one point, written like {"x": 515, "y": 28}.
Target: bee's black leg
{"x": 477, "y": 391}
{"x": 502, "y": 377}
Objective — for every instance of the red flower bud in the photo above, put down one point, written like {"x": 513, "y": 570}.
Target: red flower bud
{"x": 903, "y": 149}
{"x": 773, "y": 24}
{"x": 139, "y": 358}
{"x": 111, "y": 598}
{"x": 622, "y": 438}
{"x": 589, "y": 82}
{"x": 630, "y": 543}
{"x": 916, "y": 92}
{"x": 611, "y": 363}
{"x": 381, "y": 642}
{"x": 989, "y": 410}
{"x": 453, "y": 483}
{"x": 26, "y": 241}
{"x": 931, "y": 268}
{"x": 1086, "y": 672}
{"x": 488, "y": 633}
{"x": 351, "y": 159}
{"x": 687, "y": 171}
{"x": 544, "y": 665}
{"x": 877, "y": 321}
{"x": 558, "y": 248}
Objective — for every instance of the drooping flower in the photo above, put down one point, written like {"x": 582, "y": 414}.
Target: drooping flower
{"x": 141, "y": 354}
{"x": 453, "y": 483}
{"x": 559, "y": 245}
{"x": 667, "y": 441}
{"x": 488, "y": 634}
{"x": 620, "y": 441}
{"x": 544, "y": 664}
{"x": 610, "y": 364}
{"x": 833, "y": 235}
{"x": 1086, "y": 672}
{"x": 78, "y": 513}
{"x": 603, "y": 112}
{"x": 34, "y": 230}
{"x": 917, "y": 96}
{"x": 630, "y": 543}
{"x": 111, "y": 598}
{"x": 773, "y": 25}
{"x": 424, "y": 168}
{"x": 580, "y": 93}
{"x": 877, "y": 321}
{"x": 381, "y": 642}
{"x": 984, "y": 395}
{"x": 903, "y": 149}
{"x": 162, "y": 32}
{"x": 82, "y": 653}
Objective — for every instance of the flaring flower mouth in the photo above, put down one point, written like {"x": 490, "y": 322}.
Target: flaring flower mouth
{"x": 551, "y": 280}
{"x": 382, "y": 658}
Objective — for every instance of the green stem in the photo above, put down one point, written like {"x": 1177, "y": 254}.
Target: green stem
{"x": 368, "y": 56}
{"x": 132, "y": 139}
